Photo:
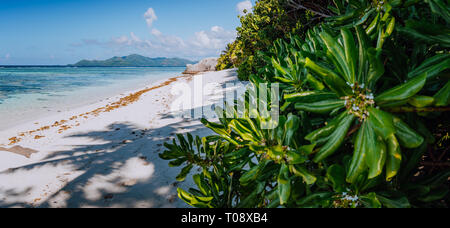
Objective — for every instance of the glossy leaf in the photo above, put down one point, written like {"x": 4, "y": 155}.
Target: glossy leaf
{"x": 376, "y": 154}
{"x": 406, "y": 136}
{"x": 284, "y": 184}
{"x": 309, "y": 96}
{"x": 336, "y": 139}
{"x": 357, "y": 165}
{"x": 336, "y": 174}
{"x": 302, "y": 172}
{"x": 394, "y": 157}
{"x": 403, "y": 91}
{"x": 350, "y": 54}
{"x": 331, "y": 79}
{"x": 442, "y": 98}
{"x": 321, "y": 107}
{"x": 382, "y": 122}
{"x": 327, "y": 130}
{"x": 421, "y": 101}
{"x": 184, "y": 172}
{"x": 432, "y": 66}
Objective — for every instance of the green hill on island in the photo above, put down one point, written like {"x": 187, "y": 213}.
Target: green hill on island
{"x": 134, "y": 61}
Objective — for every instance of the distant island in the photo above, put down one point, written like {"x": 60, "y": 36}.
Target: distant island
{"x": 134, "y": 61}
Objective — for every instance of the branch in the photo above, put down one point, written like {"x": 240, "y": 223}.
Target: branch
{"x": 412, "y": 109}
{"x": 298, "y": 6}
{"x": 353, "y": 130}
{"x": 439, "y": 164}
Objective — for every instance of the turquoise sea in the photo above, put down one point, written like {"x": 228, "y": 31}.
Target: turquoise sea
{"x": 27, "y": 93}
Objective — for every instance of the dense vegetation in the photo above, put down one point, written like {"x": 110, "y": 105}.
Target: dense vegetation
{"x": 270, "y": 20}
{"x": 134, "y": 61}
{"x": 364, "y": 102}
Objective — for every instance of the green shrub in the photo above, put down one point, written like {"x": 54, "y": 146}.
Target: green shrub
{"x": 270, "y": 20}
{"x": 356, "y": 108}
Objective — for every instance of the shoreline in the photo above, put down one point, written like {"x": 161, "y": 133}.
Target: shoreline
{"x": 105, "y": 157}
{"x": 118, "y": 101}
{"x": 21, "y": 108}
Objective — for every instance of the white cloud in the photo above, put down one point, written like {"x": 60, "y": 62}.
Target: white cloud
{"x": 150, "y": 16}
{"x": 216, "y": 38}
{"x": 202, "y": 44}
{"x": 135, "y": 38}
{"x": 156, "y": 32}
{"x": 216, "y": 29}
{"x": 132, "y": 41}
{"x": 245, "y": 5}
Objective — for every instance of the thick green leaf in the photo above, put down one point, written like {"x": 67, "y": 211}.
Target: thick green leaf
{"x": 279, "y": 68}
{"x": 351, "y": 56}
{"x": 382, "y": 122}
{"x": 315, "y": 199}
{"x": 363, "y": 65}
{"x": 294, "y": 157}
{"x": 331, "y": 79}
{"x": 200, "y": 182}
{"x": 307, "y": 149}
{"x": 336, "y": 139}
{"x": 338, "y": 53}
{"x": 442, "y": 98}
{"x": 421, "y": 101}
{"x": 284, "y": 184}
{"x": 184, "y": 172}
{"x": 327, "y": 130}
{"x": 440, "y": 8}
{"x": 245, "y": 132}
{"x": 373, "y": 25}
{"x": 195, "y": 201}
{"x": 249, "y": 200}
{"x": 357, "y": 165}
{"x": 390, "y": 27}
{"x": 220, "y": 130}
{"x": 406, "y": 136}
{"x": 404, "y": 91}
{"x": 435, "y": 195}
{"x": 432, "y": 66}
{"x": 290, "y": 127}
{"x": 399, "y": 202}
{"x": 321, "y": 107}
{"x": 253, "y": 173}
{"x": 302, "y": 172}
{"x": 376, "y": 155}
{"x": 336, "y": 174}
{"x": 177, "y": 162}
{"x": 415, "y": 34}
{"x": 309, "y": 96}
{"x": 316, "y": 84}
{"x": 394, "y": 157}
{"x": 371, "y": 201}
{"x": 376, "y": 67}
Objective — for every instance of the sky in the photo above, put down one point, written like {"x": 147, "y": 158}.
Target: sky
{"x": 58, "y": 32}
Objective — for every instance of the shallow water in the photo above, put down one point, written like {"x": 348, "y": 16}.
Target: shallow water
{"x": 27, "y": 93}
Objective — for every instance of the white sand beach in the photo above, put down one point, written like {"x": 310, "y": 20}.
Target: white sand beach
{"x": 100, "y": 155}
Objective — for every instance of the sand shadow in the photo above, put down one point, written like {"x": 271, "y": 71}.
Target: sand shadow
{"x": 119, "y": 167}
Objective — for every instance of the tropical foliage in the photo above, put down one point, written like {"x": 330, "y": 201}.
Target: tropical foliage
{"x": 270, "y": 20}
{"x": 361, "y": 97}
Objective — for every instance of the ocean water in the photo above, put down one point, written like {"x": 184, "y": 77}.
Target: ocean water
{"x": 27, "y": 93}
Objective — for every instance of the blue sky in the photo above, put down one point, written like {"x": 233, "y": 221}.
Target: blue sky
{"x": 64, "y": 31}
